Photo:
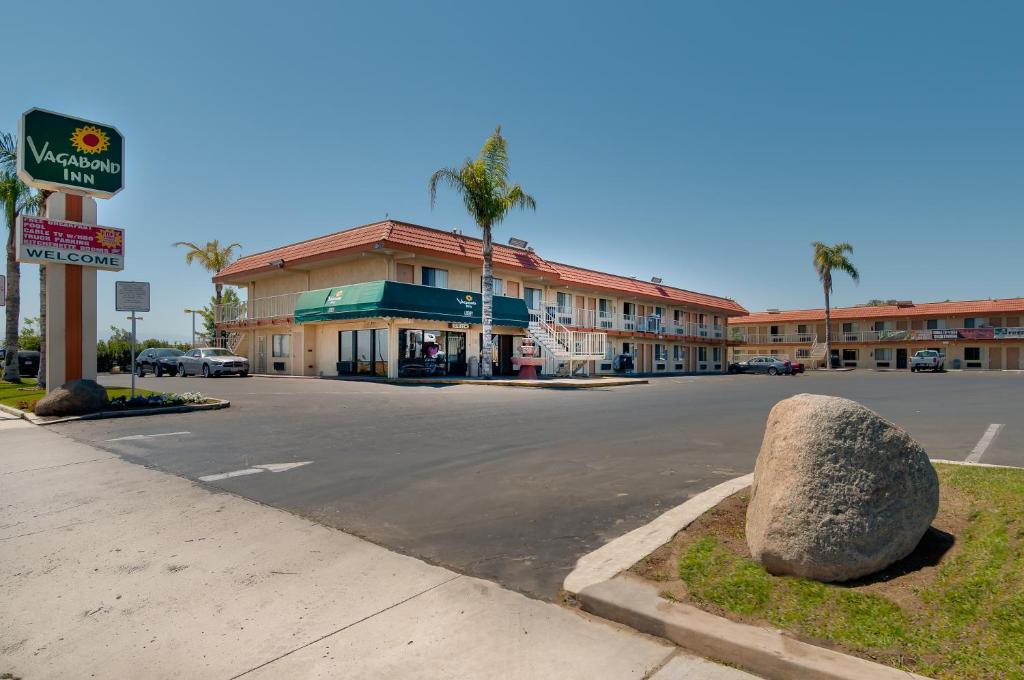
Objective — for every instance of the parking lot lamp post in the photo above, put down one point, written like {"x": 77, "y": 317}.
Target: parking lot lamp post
{"x": 193, "y": 312}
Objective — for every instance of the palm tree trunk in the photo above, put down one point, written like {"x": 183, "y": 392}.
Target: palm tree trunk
{"x": 42, "y": 326}
{"x": 13, "y": 302}
{"x": 486, "y": 315}
{"x": 218, "y": 291}
{"x": 828, "y": 331}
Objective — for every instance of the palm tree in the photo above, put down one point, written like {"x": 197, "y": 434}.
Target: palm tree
{"x": 15, "y": 198}
{"x": 826, "y": 259}
{"x": 212, "y": 257}
{"x": 483, "y": 185}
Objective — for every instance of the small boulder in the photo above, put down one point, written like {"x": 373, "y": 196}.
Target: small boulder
{"x": 838, "y": 491}
{"x": 73, "y": 398}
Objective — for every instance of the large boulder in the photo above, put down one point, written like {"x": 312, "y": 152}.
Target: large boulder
{"x": 838, "y": 492}
{"x": 72, "y": 399}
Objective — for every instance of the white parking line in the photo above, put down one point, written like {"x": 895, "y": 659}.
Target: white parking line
{"x": 146, "y": 436}
{"x": 986, "y": 440}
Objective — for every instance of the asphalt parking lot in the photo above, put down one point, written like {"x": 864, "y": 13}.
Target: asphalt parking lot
{"x": 514, "y": 484}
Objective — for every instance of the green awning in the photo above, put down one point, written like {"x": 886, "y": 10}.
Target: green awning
{"x": 405, "y": 300}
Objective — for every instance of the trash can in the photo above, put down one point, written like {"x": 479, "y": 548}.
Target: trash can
{"x": 956, "y": 363}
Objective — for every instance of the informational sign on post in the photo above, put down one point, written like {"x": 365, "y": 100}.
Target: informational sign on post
{"x": 43, "y": 241}
{"x": 64, "y": 153}
{"x": 131, "y": 296}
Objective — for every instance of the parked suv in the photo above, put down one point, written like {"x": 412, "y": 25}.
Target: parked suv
{"x": 927, "y": 359}
{"x": 767, "y": 364}
{"x": 158, "y": 361}
{"x": 212, "y": 361}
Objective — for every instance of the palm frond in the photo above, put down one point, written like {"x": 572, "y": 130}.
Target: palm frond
{"x": 8, "y": 151}
{"x": 451, "y": 177}
{"x": 494, "y": 155}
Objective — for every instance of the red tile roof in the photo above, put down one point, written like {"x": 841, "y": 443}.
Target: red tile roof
{"x": 446, "y": 244}
{"x": 929, "y": 309}
{"x": 589, "y": 278}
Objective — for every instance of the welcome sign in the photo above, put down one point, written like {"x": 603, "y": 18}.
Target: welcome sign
{"x": 43, "y": 241}
{"x": 60, "y": 152}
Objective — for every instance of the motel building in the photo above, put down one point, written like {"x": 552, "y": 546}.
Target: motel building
{"x": 393, "y": 299}
{"x": 973, "y": 334}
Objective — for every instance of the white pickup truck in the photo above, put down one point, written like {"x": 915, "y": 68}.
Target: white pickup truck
{"x": 927, "y": 359}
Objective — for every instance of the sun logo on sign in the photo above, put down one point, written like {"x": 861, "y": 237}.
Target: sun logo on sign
{"x": 109, "y": 238}
{"x": 469, "y": 298}
{"x": 90, "y": 139}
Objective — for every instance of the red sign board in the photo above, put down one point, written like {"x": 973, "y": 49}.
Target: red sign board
{"x": 44, "y": 241}
{"x": 976, "y": 333}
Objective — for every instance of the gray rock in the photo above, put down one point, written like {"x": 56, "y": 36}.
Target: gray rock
{"x": 838, "y": 492}
{"x": 72, "y": 399}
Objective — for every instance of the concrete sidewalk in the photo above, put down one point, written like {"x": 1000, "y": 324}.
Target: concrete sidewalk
{"x": 112, "y": 570}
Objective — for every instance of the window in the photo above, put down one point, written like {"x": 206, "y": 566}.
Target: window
{"x": 774, "y": 330}
{"x": 678, "y": 353}
{"x": 969, "y": 323}
{"x": 801, "y": 329}
{"x": 702, "y": 354}
{"x": 849, "y": 355}
{"x": 281, "y": 345}
{"x": 626, "y": 347}
{"x": 847, "y": 327}
{"x": 499, "y": 285}
{"x": 972, "y": 353}
{"x": 564, "y": 301}
{"x": 879, "y": 325}
{"x": 436, "y": 278}
{"x": 532, "y": 297}
{"x": 659, "y": 312}
{"x": 512, "y": 289}
{"x": 932, "y": 324}
{"x": 629, "y": 308}
{"x": 716, "y": 354}
{"x": 660, "y": 353}
{"x": 883, "y": 355}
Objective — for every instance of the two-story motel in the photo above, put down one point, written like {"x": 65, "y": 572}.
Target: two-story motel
{"x": 973, "y": 334}
{"x": 395, "y": 299}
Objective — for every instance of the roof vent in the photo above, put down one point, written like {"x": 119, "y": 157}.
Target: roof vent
{"x": 457, "y": 231}
{"x": 517, "y": 242}
{"x": 904, "y": 303}
{"x": 655, "y": 279}
{"x": 632, "y": 276}
{"x": 774, "y": 310}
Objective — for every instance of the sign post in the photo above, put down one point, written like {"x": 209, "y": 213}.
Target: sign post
{"x": 79, "y": 160}
{"x": 132, "y": 296}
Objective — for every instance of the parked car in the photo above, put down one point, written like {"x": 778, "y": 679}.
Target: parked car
{"x": 927, "y": 360}
{"x": 28, "y": 363}
{"x": 158, "y": 361}
{"x": 212, "y": 361}
{"x": 796, "y": 366}
{"x": 767, "y": 364}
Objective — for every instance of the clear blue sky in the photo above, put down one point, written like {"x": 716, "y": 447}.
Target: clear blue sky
{"x": 707, "y": 143}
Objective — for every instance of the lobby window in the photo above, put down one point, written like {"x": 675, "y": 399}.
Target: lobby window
{"x": 281, "y": 345}
{"x": 972, "y": 353}
{"x": 532, "y": 297}
{"x": 436, "y": 278}
{"x": 499, "y": 285}
{"x": 932, "y": 324}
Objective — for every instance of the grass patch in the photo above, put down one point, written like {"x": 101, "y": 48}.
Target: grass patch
{"x": 25, "y": 393}
{"x": 954, "y": 609}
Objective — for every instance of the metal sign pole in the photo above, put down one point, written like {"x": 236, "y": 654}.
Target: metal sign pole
{"x": 133, "y": 355}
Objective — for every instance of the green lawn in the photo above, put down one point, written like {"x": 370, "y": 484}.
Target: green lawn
{"x": 962, "y": 618}
{"x": 25, "y": 394}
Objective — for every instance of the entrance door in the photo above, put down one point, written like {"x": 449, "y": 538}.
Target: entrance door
{"x": 1013, "y": 358}
{"x": 901, "y": 357}
{"x": 261, "y": 354}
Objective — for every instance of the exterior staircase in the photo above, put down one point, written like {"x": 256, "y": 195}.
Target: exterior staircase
{"x": 563, "y": 346}
{"x": 816, "y": 354}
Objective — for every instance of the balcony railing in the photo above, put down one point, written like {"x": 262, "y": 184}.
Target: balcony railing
{"x": 259, "y": 309}
{"x": 840, "y": 336}
{"x": 574, "y": 317}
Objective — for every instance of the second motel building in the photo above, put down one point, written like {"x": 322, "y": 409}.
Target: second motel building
{"x": 396, "y": 299}
{"x": 973, "y": 334}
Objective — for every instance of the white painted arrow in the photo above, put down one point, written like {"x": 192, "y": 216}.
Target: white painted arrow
{"x": 146, "y": 436}
{"x": 281, "y": 467}
{"x": 255, "y": 469}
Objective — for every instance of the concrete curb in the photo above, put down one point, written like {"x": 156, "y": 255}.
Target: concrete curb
{"x": 552, "y": 384}
{"x": 183, "y": 408}
{"x": 631, "y": 600}
{"x": 628, "y": 549}
{"x": 972, "y": 464}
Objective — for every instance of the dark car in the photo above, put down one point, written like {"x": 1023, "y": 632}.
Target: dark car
{"x": 766, "y": 364}
{"x": 796, "y": 367}
{"x": 28, "y": 363}
{"x": 158, "y": 361}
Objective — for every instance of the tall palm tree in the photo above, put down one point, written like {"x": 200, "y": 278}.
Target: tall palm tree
{"x": 484, "y": 187}
{"x": 212, "y": 257}
{"x": 826, "y": 259}
{"x": 15, "y": 198}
